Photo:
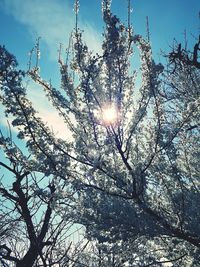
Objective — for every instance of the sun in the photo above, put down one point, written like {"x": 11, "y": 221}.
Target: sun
{"x": 109, "y": 114}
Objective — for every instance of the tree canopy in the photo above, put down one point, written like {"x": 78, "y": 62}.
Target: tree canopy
{"x": 130, "y": 175}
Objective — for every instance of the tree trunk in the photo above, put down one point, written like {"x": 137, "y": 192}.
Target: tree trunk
{"x": 30, "y": 258}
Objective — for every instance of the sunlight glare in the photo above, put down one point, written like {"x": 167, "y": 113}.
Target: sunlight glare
{"x": 109, "y": 114}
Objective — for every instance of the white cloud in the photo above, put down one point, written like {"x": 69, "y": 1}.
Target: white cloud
{"x": 48, "y": 113}
{"x": 52, "y": 20}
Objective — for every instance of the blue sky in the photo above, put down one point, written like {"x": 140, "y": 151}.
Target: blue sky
{"x": 22, "y": 21}
{"x": 53, "y": 20}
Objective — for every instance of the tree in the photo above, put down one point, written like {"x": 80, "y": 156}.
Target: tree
{"x": 33, "y": 233}
{"x": 133, "y": 164}
{"x": 185, "y": 56}
{"x": 35, "y": 228}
